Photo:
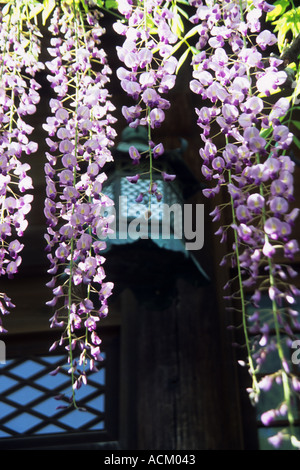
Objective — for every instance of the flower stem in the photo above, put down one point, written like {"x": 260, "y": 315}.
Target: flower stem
{"x": 148, "y": 120}
{"x": 70, "y": 283}
{"x": 252, "y": 371}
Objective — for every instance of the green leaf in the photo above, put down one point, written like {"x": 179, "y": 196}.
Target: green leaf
{"x": 35, "y": 10}
{"x": 289, "y": 21}
{"x": 86, "y": 8}
{"x": 5, "y": 10}
{"x": 272, "y": 92}
{"x": 111, "y": 4}
{"x": 296, "y": 141}
{"x": 280, "y": 7}
{"x": 183, "y": 13}
{"x": 176, "y": 47}
{"x": 266, "y": 132}
{"x": 182, "y": 59}
{"x": 191, "y": 32}
{"x": 296, "y": 124}
{"x": 176, "y": 23}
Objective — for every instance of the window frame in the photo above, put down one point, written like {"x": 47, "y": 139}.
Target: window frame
{"x": 38, "y": 344}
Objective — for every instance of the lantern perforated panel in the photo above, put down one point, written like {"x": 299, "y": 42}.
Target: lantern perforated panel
{"x": 131, "y": 191}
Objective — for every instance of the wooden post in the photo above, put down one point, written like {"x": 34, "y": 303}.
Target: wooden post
{"x": 182, "y": 400}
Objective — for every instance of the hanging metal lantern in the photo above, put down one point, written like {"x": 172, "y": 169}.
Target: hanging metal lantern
{"x": 149, "y": 239}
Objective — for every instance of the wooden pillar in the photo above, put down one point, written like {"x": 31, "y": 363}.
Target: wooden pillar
{"x": 181, "y": 396}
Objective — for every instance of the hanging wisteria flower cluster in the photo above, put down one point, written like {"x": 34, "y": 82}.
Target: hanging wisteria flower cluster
{"x": 244, "y": 157}
{"x": 148, "y": 74}
{"x": 245, "y": 154}
{"x": 79, "y": 137}
{"x": 19, "y": 62}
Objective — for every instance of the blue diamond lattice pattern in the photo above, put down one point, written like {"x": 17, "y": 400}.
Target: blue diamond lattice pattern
{"x": 27, "y": 398}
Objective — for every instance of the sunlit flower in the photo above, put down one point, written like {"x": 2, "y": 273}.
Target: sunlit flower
{"x": 19, "y": 95}
{"x": 146, "y": 76}
{"x": 248, "y": 166}
{"x": 78, "y": 150}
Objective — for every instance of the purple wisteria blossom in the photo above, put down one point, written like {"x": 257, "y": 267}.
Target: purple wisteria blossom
{"x": 19, "y": 59}
{"x": 80, "y": 135}
{"x": 253, "y": 166}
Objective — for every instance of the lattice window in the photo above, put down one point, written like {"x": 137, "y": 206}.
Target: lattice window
{"x": 28, "y": 406}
